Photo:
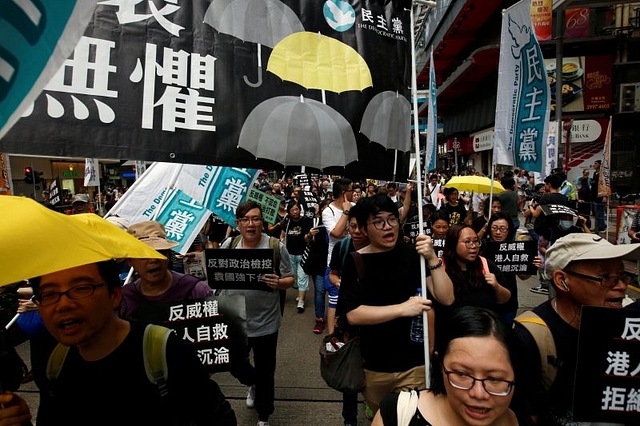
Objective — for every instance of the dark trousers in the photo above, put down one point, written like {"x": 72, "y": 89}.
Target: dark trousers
{"x": 350, "y": 407}
{"x": 262, "y": 375}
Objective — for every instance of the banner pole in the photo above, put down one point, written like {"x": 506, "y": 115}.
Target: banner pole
{"x": 416, "y": 141}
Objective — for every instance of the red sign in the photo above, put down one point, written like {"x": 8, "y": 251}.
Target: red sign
{"x": 541, "y": 18}
{"x": 598, "y": 82}
{"x": 576, "y": 23}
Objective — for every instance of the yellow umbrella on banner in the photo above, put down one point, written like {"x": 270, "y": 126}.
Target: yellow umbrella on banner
{"x": 35, "y": 240}
{"x": 315, "y": 61}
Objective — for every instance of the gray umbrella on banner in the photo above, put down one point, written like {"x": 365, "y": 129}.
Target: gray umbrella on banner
{"x": 387, "y": 121}
{"x": 299, "y": 132}
{"x": 264, "y": 22}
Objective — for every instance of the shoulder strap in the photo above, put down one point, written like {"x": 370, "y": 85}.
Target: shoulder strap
{"x": 274, "y": 243}
{"x": 546, "y": 345}
{"x": 407, "y": 405}
{"x": 357, "y": 258}
{"x": 56, "y": 361}
{"x": 235, "y": 241}
{"x": 154, "y": 352}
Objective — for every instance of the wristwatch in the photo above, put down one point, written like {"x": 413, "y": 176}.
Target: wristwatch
{"x": 346, "y": 211}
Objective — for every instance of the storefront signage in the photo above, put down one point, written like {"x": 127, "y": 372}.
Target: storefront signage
{"x": 483, "y": 141}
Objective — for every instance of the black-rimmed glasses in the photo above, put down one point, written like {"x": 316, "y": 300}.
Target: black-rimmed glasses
{"x": 378, "y": 223}
{"x": 464, "y": 381}
{"x": 470, "y": 243}
{"x": 609, "y": 281}
{"x": 502, "y": 229}
{"x": 78, "y": 292}
{"x": 246, "y": 220}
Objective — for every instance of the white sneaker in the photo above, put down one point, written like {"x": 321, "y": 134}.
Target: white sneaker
{"x": 263, "y": 423}
{"x": 300, "y": 306}
{"x": 251, "y": 396}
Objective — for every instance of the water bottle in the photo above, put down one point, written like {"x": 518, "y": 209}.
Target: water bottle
{"x": 417, "y": 330}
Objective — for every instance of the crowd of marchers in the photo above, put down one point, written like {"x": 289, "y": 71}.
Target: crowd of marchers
{"x": 355, "y": 252}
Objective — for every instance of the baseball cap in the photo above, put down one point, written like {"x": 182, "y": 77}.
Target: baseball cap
{"x": 120, "y": 222}
{"x": 152, "y": 233}
{"x": 80, "y": 198}
{"x": 580, "y": 246}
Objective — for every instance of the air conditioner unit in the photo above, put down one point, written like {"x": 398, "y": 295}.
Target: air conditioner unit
{"x": 629, "y": 100}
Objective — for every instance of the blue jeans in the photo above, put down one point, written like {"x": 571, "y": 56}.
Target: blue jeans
{"x": 598, "y": 214}
{"x": 301, "y": 277}
{"x": 319, "y": 291}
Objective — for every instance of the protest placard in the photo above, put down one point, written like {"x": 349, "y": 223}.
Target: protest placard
{"x": 239, "y": 269}
{"x": 607, "y": 386}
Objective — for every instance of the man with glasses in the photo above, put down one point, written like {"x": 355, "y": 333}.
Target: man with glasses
{"x": 102, "y": 379}
{"x": 586, "y": 270}
{"x": 382, "y": 301}
{"x": 263, "y": 312}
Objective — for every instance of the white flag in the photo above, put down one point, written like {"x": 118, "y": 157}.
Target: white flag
{"x": 91, "y": 174}
{"x": 522, "y": 104}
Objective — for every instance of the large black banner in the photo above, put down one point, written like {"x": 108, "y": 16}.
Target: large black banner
{"x": 244, "y": 83}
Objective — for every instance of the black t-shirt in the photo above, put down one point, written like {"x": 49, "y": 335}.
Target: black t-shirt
{"x": 115, "y": 390}
{"x": 554, "y": 198}
{"x": 295, "y": 232}
{"x": 391, "y": 278}
{"x": 457, "y": 213}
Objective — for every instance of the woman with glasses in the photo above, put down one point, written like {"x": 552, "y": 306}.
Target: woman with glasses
{"x": 481, "y": 223}
{"x": 473, "y": 377}
{"x": 501, "y": 230}
{"x": 476, "y": 281}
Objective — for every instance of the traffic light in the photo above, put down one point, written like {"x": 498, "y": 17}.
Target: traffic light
{"x": 28, "y": 175}
{"x": 38, "y": 177}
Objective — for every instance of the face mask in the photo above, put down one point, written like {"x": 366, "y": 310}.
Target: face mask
{"x": 566, "y": 224}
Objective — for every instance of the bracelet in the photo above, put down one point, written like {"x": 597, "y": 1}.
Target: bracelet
{"x": 436, "y": 266}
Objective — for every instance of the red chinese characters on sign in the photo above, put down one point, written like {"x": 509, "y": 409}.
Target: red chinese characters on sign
{"x": 576, "y": 23}
{"x": 598, "y": 82}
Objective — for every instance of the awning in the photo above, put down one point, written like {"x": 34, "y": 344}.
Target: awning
{"x": 475, "y": 69}
{"x": 470, "y": 17}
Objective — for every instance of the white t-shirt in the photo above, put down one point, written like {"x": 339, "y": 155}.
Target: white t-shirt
{"x": 330, "y": 217}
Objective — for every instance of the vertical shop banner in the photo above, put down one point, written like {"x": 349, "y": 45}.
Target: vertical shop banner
{"x": 604, "y": 178}
{"x": 35, "y": 39}
{"x": 542, "y": 18}
{"x": 551, "y": 147}
{"x": 576, "y": 23}
{"x": 245, "y": 84}
{"x": 598, "y": 83}
{"x": 5, "y": 175}
{"x": 522, "y": 105}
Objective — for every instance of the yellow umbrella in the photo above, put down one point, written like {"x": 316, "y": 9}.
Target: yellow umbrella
{"x": 315, "y": 61}
{"x": 477, "y": 184}
{"x": 35, "y": 240}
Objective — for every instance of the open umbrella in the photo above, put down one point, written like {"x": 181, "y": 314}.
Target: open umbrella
{"x": 80, "y": 240}
{"x": 315, "y": 61}
{"x": 477, "y": 184}
{"x": 387, "y": 121}
{"x": 299, "y": 132}
{"x": 264, "y": 22}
